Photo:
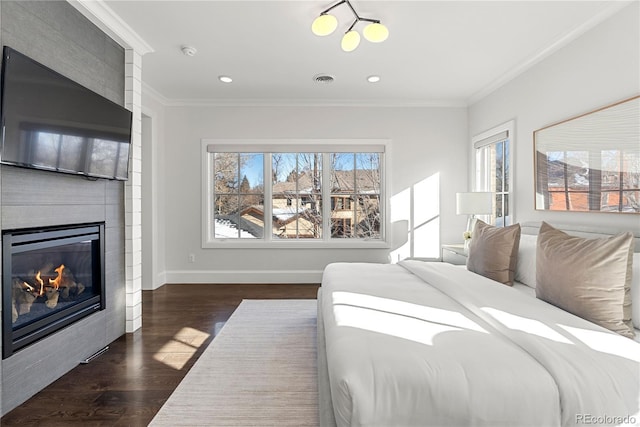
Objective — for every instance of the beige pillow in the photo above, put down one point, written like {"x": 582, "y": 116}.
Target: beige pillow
{"x": 493, "y": 251}
{"x": 590, "y": 278}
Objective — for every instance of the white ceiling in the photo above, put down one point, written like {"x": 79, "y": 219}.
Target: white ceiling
{"x": 438, "y": 52}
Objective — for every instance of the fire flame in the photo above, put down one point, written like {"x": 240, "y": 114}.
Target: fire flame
{"x": 51, "y": 282}
{"x": 56, "y": 282}
{"x": 41, "y": 284}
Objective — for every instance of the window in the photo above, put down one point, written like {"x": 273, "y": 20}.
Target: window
{"x": 238, "y": 207}
{"x": 596, "y": 170}
{"x": 493, "y": 161}
{"x": 591, "y": 180}
{"x": 296, "y": 195}
{"x": 355, "y": 176}
{"x": 270, "y": 192}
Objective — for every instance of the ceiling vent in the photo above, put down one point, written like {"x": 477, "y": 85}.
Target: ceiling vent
{"x": 323, "y": 78}
{"x": 189, "y": 50}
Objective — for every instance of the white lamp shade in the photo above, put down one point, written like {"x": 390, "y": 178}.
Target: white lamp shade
{"x": 350, "y": 41}
{"x": 375, "y": 32}
{"x": 474, "y": 203}
{"x": 324, "y": 25}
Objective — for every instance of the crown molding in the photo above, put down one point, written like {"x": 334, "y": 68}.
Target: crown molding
{"x": 109, "y": 22}
{"x": 155, "y": 95}
{"x": 372, "y": 103}
{"x": 611, "y": 9}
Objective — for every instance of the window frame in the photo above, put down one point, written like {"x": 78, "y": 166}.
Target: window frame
{"x": 480, "y": 182}
{"x": 268, "y": 146}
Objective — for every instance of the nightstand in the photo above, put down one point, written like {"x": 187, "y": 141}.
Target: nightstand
{"x": 454, "y": 254}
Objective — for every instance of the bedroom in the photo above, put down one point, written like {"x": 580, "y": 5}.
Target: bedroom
{"x": 597, "y": 67}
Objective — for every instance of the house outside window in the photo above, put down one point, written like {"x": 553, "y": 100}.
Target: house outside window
{"x": 267, "y": 193}
{"x": 493, "y": 161}
{"x": 590, "y": 180}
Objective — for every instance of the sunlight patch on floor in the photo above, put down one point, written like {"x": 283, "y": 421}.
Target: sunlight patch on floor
{"x": 177, "y": 352}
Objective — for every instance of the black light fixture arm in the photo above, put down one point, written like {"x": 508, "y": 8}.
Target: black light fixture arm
{"x": 358, "y": 17}
{"x": 324, "y": 12}
{"x": 352, "y": 25}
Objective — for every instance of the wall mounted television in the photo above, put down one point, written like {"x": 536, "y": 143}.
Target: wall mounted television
{"x": 50, "y": 122}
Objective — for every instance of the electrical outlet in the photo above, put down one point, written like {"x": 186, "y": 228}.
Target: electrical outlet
{"x": 192, "y": 258}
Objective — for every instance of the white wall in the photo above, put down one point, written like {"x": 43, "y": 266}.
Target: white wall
{"x": 428, "y": 160}
{"x": 428, "y": 157}
{"x": 153, "y": 183}
{"x": 597, "y": 69}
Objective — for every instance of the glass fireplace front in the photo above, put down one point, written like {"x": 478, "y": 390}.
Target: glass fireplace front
{"x": 51, "y": 278}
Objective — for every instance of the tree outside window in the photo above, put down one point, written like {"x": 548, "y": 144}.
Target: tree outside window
{"x": 296, "y": 209}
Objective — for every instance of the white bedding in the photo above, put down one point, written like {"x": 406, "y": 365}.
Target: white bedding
{"x": 416, "y": 344}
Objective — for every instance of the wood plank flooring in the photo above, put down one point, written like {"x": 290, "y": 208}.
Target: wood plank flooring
{"x": 128, "y": 384}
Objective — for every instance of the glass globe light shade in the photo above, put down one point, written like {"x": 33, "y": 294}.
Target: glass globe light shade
{"x": 375, "y": 32}
{"x": 324, "y": 25}
{"x": 350, "y": 41}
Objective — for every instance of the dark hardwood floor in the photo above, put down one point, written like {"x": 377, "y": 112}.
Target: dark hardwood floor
{"x": 129, "y": 383}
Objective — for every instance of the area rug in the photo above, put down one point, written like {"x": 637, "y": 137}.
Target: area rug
{"x": 260, "y": 370}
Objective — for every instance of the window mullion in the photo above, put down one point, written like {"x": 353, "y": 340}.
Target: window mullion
{"x": 268, "y": 197}
{"x": 354, "y": 195}
{"x": 296, "y": 194}
{"x": 326, "y": 196}
{"x": 210, "y": 192}
{"x": 238, "y": 198}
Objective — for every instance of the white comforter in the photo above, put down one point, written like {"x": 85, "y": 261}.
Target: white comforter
{"x": 417, "y": 344}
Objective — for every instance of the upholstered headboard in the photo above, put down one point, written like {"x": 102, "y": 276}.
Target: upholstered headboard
{"x": 532, "y": 227}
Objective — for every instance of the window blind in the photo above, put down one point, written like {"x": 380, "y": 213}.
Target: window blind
{"x": 297, "y": 148}
{"x": 491, "y": 140}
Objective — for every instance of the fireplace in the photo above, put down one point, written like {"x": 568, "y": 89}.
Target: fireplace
{"x": 51, "y": 277}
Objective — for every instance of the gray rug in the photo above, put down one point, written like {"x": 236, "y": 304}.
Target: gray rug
{"x": 259, "y": 371}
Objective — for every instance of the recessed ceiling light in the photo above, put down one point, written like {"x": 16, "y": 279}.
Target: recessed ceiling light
{"x": 225, "y": 79}
{"x": 373, "y": 79}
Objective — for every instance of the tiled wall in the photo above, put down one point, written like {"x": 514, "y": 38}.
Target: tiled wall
{"x": 57, "y": 35}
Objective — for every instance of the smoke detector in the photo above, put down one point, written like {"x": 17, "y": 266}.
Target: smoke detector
{"x": 323, "y": 78}
{"x": 189, "y": 50}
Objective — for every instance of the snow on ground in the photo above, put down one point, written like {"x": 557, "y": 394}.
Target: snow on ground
{"x": 225, "y": 229}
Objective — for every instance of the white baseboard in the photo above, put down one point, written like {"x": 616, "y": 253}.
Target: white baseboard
{"x": 158, "y": 281}
{"x": 243, "y": 276}
{"x": 161, "y": 279}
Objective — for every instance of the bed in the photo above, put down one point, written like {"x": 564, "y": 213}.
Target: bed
{"x": 433, "y": 344}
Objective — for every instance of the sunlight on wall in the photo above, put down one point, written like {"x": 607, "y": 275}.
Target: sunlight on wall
{"x": 426, "y": 217}
{"x": 420, "y": 206}
{"x": 177, "y": 352}
{"x": 401, "y": 213}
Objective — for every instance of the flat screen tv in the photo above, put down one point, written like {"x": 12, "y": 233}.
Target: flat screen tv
{"x": 52, "y": 123}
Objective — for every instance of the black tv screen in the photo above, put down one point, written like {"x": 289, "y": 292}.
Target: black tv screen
{"x": 52, "y": 123}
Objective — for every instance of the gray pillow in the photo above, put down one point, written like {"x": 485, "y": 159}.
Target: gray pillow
{"x": 493, "y": 251}
{"x": 590, "y": 278}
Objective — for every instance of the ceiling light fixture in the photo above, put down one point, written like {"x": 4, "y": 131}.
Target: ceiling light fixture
{"x": 326, "y": 24}
{"x": 225, "y": 79}
{"x": 373, "y": 79}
